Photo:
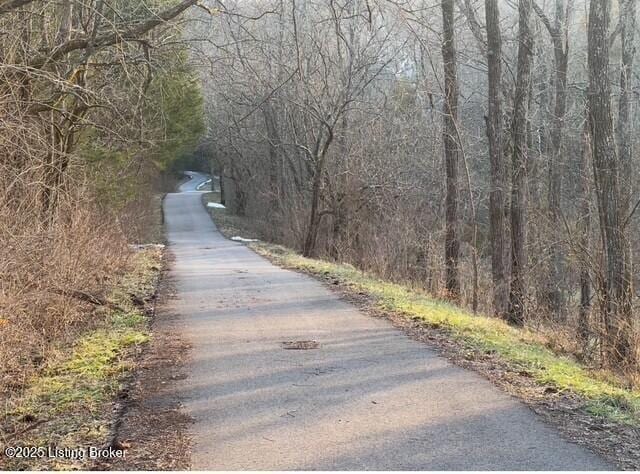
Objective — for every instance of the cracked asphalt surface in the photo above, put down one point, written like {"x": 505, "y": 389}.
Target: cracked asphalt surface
{"x": 368, "y": 398}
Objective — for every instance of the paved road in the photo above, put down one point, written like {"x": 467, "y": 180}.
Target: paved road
{"x": 368, "y": 398}
{"x": 197, "y": 182}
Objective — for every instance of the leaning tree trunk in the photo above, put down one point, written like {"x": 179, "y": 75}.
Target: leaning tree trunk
{"x": 517, "y": 291}
{"x": 498, "y": 235}
{"x": 451, "y": 149}
{"x": 615, "y": 291}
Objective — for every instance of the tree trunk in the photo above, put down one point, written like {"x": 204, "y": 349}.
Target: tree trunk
{"x": 451, "y": 149}
{"x": 623, "y": 131}
{"x": 584, "y": 230}
{"x": 320, "y": 156}
{"x": 66, "y": 17}
{"x": 497, "y": 230}
{"x": 517, "y": 291}
{"x": 615, "y": 291}
{"x": 314, "y": 217}
{"x": 556, "y": 165}
{"x": 624, "y": 125}
{"x": 274, "y": 165}
{"x": 223, "y": 199}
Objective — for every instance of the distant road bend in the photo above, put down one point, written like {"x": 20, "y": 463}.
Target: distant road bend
{"x": 197, "y": 182}
{"x": 367, "y": 398}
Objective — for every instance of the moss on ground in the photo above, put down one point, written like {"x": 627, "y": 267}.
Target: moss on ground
{"x": 69, "y": 403}
{"x": 520, "y": 348}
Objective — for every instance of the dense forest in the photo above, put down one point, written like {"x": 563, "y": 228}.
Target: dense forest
{"x": 319, "y": 234}
{"x": 484, "y": 151}
{"x": 96, "y": 100}
{"x": 456, "y": 179}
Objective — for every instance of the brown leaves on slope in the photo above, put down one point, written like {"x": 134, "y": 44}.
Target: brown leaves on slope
{"x": 53, "y": 276}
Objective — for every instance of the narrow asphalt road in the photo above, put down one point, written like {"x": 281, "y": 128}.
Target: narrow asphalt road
{"x": 368, "y": 398}
{"x": 197, "y": 182}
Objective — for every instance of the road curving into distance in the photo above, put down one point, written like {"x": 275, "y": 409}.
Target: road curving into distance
{"x": 197, "y": 182}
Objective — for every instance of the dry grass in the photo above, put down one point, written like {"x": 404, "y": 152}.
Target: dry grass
{"x": 52, "y": 278}
{"x": 70, "y": 290}
{"x": 56, "y": 269}
{"x": 69, "y": 403}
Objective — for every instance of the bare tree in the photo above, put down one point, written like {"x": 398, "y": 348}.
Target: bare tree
{"x": 451, "y": 148}
{"x": 60, "y": 79}
{"x": 624, "y": 124}
{"x": 559, "y": 33}
{"x": 517, "y": 292}
{"x": 584, "y": 232}
{"x": 497, "y": 233}
{"x": 343, "y": 127}
{"x": 615, "y": 284}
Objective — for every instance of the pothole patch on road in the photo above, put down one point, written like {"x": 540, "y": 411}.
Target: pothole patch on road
{"x": 300, "y": 345}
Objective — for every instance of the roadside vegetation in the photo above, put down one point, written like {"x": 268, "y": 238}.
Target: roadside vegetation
{"x": 68, "y": 403}
{"x": 526, "y": 352}
{"x": 524, "y": 349}
{"x": 97, "y": 104}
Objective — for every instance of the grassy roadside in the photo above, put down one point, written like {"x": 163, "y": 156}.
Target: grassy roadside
{"x": 70, "y": 403}
{"x": 520, "y": 349}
